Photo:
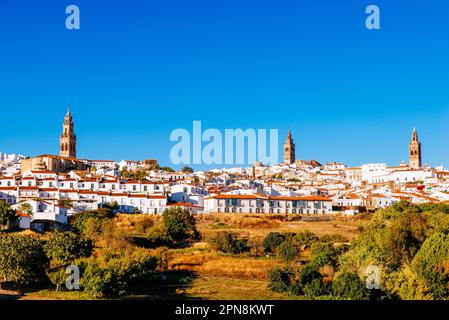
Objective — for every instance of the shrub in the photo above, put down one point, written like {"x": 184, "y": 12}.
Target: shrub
{"x": 306, "y": 238}
{"x": 272, "y": 241}
{"x": 156, "y": 237}
{"x": 349, "y": 286}
{"x": 64, "y": 247}
{"x": 333, "y": 238}
{"x": 317, "y": 288}
{"x": 180, "y": 224}
{"x": 280, "y": 279}
{"x": 6, "y": 213}
{"x": 431, "y": 262}
{"x": 114, "y": 274}
{"x": 229, "y": 243}
{"x": 79, "y": 220}
{"x": 144, "y": 225}
{"x": 324, "y": 254}
{"x": 104, "y": 233}
{"x": 305, "y": 276}
{"x": 288, "y": 251}
{"x": 22, "y": 259}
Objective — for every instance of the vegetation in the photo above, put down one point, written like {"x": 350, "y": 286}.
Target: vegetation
{"x": 115, "y": 273}
{"x": 272, "y": 241}
{"x": 179, "y": 224}
{"x": 187, "y": 169}
{"x": 229, "y": 243}
{"x": 22, "y": 260}
{"x": 25, "y": 207}
{"x": 295, "y": 259}
{"x": 6, "y": 213}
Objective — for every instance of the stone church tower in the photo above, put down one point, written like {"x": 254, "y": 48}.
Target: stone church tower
{"x": 289, "y": 149}
{"x": 67, "y": 140}
{"x": 415, "y": 151}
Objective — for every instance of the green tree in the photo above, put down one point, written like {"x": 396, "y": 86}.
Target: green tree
{"x": 79, "y": 220}
{"x": 187, "y": 169}
{"x": 288, "y": 251}
{"x": 22, "y": 259}
{"x": 306, "y": 275}
{"x": 280, "y": 279}
{"x": 350, "y": 287}
{"x": 65, "y": 247}
{"x": 167, "y": 169}
{"x": 317, "y": 288}
{"x": 229, "y": 243}
{"x": 68, "y": 203}
{"x": 179, "y": 224}
{"x": 306, "y": 238}
{"x": 272, "y": 241}
{"x": 6, "y": 213}
{"x": 25, "y": 207}
{"x": 432, "y": 264}
{"x": 115, "y": 273}
{"x": 325, "y": 254}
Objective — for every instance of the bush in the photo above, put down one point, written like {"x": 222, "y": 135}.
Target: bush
{"x": 104, "y": 233}
{"x": 156, "y": 237}
{"x": 349, "y": 286}
{"x": 113, "y": 274}
{"x": 272, "y": 241}
{"x": 317, "y": 288}
{"x": 229, "y": 243}
{"x": 324, "y": 254}
{"x": 180, "y": 224}
{"x": 79, "y": 220}
{"x": 306, "y": 275}
{"x": 431, "y": 262}
{"x": 65, "y": 247}
{"x": 6, "y": 213}
{"x": 306, "y": 238}
{"x": 280, "y": 279}
{"x": 144, "y": 225}
{"x": 333, "y": 238}
{"x": 288, "y": 251}
{"x": 22, "y": 259}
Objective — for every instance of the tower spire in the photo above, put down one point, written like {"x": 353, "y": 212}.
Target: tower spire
{"x": 67, "y": 141}
{"x": 289, "y": 149}
{"x": 415, "y": 151}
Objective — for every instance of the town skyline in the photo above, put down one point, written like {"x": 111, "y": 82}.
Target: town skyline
{"x": 68, "y": 148}
{"x": 349, "y": 94}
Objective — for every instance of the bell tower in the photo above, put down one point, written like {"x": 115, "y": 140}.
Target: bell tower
{"x": 415, "y": 151}
{"x": 67, "y": 141}
{"x": 289, "y": 149}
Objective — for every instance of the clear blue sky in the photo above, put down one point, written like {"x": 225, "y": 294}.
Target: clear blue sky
{"x": 139, "y": 69}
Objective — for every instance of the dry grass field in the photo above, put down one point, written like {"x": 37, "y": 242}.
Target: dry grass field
{"x": 224, "y": 276}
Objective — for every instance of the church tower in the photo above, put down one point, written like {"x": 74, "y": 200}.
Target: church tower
{"x": 415, "y": 151}
{"x": 67, "y": 140}
{"x": 289, "y": 149}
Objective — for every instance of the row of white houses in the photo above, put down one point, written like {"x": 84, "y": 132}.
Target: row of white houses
{"x": 261, "y": 203}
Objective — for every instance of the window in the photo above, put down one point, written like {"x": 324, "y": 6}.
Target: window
{"x": 134, "y": 188}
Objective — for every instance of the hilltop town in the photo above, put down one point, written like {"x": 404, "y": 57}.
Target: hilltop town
{"x": 57, "y": 186}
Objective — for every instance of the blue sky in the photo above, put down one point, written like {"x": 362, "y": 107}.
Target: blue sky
{"x": 139, "y": 69}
